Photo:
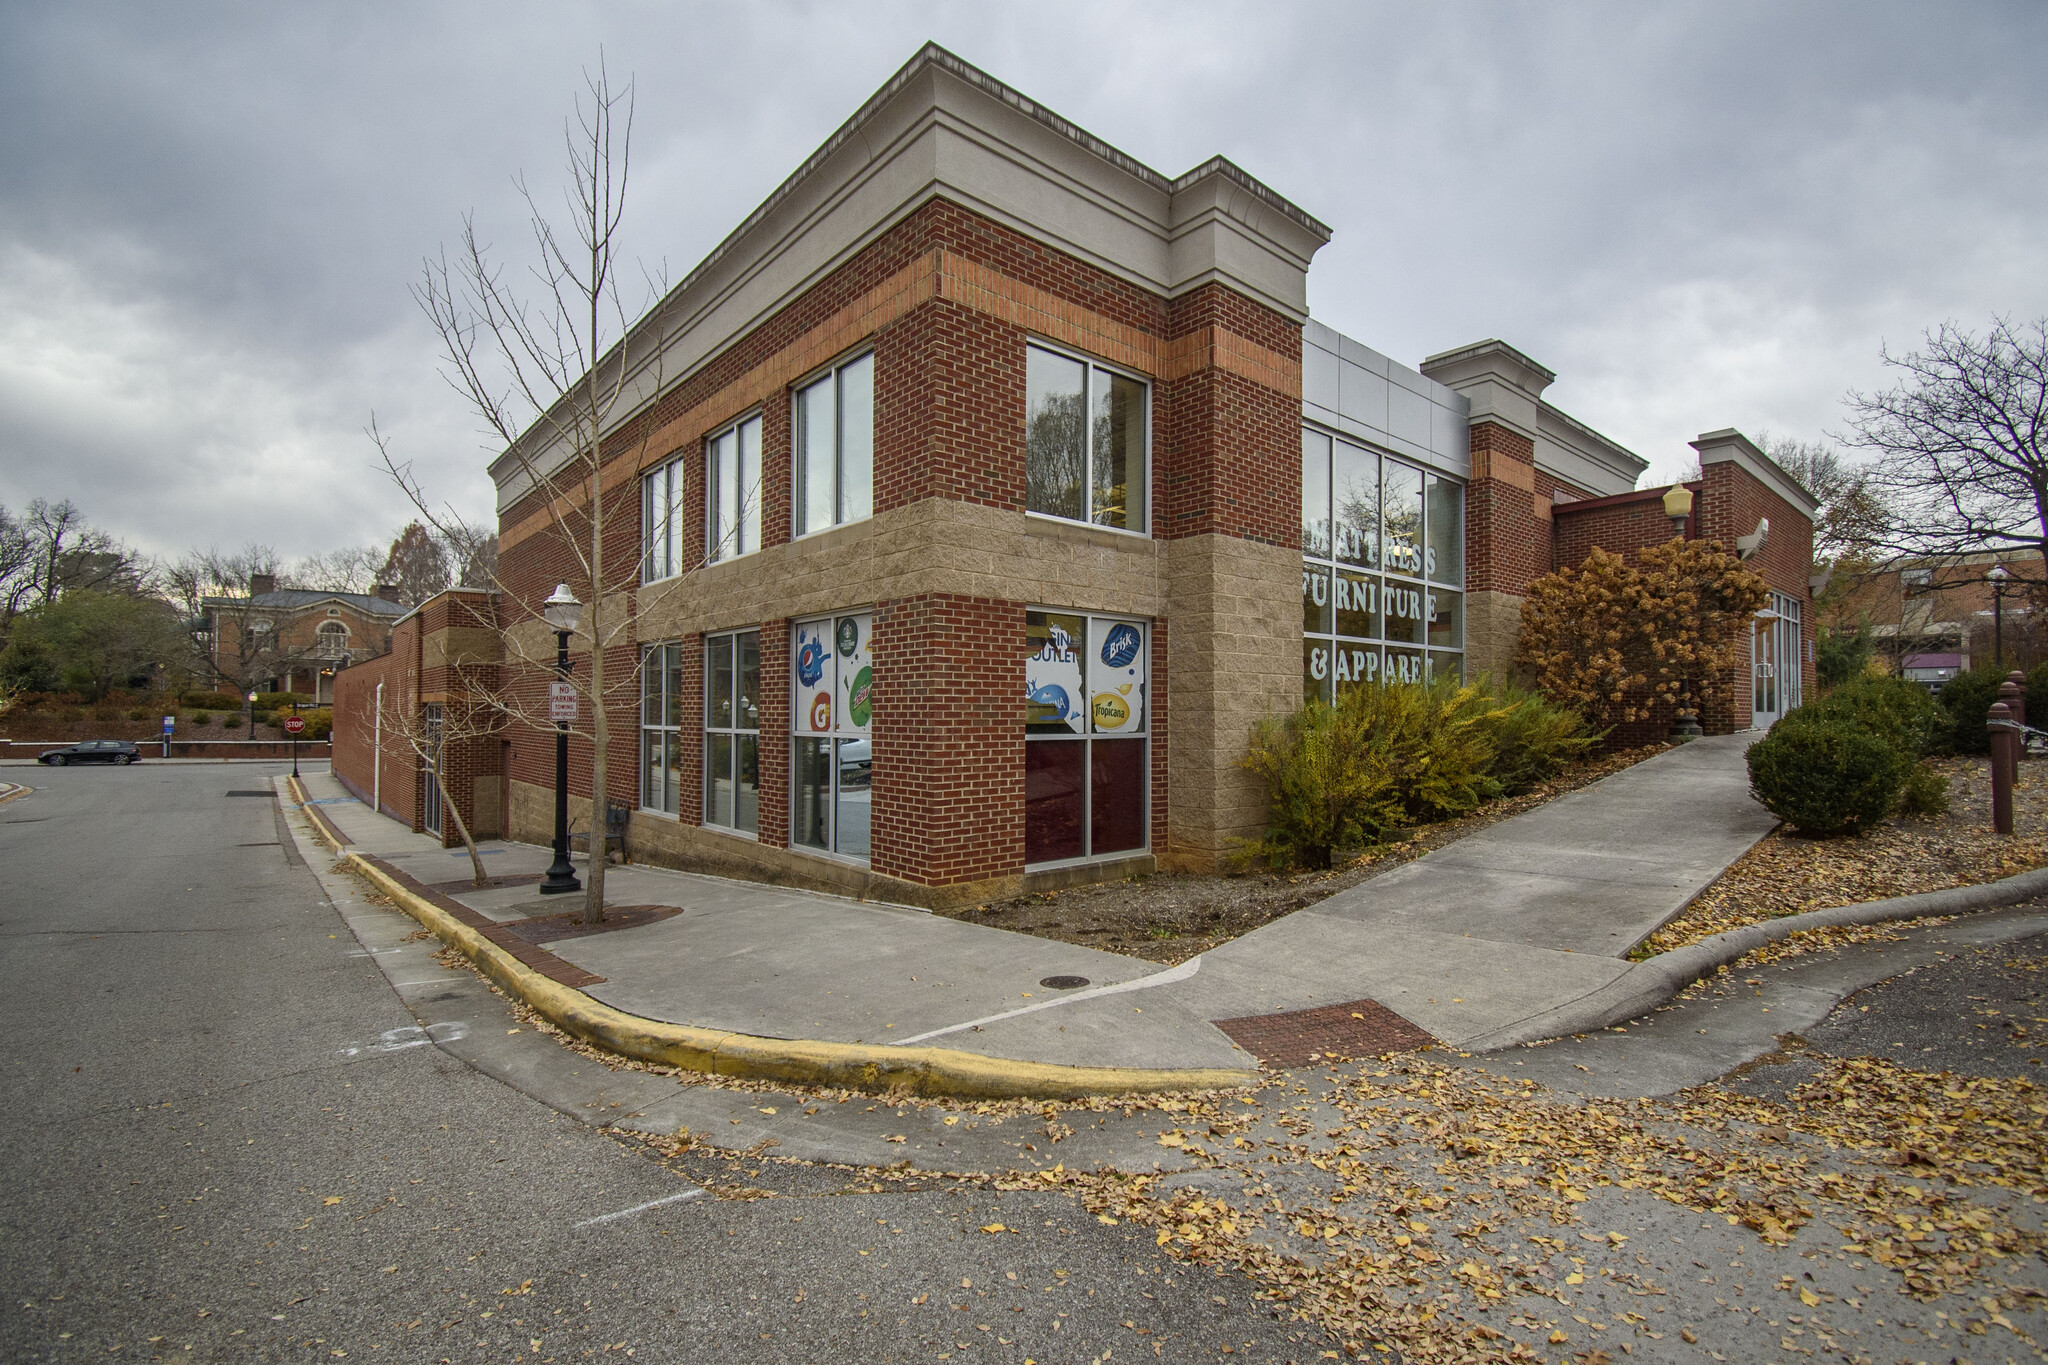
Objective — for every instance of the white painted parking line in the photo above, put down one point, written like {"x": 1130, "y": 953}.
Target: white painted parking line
{"x": 640, "y": 1208}
{"x": 1143, "y": 983}
{"x": 399, "y": 1039}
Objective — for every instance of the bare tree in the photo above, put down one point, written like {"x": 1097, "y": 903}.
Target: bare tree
{"x": 1961, "y": 442}
{"x": 470, "y": 713}
{"x": 351, "y": 569}
{"x": 1852, "y": 515}
{"x": 555, "y": 381}
{"x": 50, "y": 550}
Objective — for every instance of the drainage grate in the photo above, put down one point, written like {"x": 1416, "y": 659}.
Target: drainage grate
{"x": 1064, "y": 983}
{"x": 1357, "y": 1028}
{"x": 271, "y": 795}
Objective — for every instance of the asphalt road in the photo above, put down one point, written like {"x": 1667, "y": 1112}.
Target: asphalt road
{"x": 226, "y": 1139}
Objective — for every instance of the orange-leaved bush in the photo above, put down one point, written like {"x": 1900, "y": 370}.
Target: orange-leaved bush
{"x": 1617, "y": 640}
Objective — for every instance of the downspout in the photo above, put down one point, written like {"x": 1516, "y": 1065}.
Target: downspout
{"x": 377, "y": 755}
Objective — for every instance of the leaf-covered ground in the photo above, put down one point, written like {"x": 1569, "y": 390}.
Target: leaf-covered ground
{"x": 1789, "y": 874}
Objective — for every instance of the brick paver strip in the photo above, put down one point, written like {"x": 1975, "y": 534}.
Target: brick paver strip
{"x": 547, "y": 928}
{"x": 526, "y": 952}
{"x": 509, "y": 879}
{"x": 1358, "y": 1028}
{"x": 318, "y": 816}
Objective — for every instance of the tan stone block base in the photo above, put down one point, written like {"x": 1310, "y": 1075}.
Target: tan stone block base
{"x": 1493, "y": 627}
{"x": 663, "y": 842}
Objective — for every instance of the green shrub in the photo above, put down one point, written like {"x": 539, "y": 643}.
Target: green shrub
{"x": 1387, "y": 757}
{"x": 1900, "y": 712}
{"x": 1841, "y": 656}
{"x": 1327, "y": 789}
{"x": 1827, "y": 776}
{"x": 1967, "y": 699}
{"x": 1925, "y": 792}
{"x": 198, "y": 718}
{"x": 1532, "y": 739}
{"x": 319, "y": 723}
{"x": 138, "y": 713}
{"x": 212, "y": 701}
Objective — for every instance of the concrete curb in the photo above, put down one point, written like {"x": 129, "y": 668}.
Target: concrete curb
{"x": 850, "y": 1066}
{"x": 1649, "y": 984}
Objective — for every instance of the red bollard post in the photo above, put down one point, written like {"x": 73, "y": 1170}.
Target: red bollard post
{"x": 2004, "y": 736}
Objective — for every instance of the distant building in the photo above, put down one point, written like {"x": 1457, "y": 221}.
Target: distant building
{"x": 296, "y": 639}
{"x": 1929, "y": 615}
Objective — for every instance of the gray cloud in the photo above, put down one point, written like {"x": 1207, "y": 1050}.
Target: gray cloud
{"x": 1699, "y": 215}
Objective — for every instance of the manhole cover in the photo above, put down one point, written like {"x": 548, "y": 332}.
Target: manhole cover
{"x": 1064, "y": 983}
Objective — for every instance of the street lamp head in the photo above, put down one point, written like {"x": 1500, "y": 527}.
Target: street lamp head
{"x": 1997, "y": 575}
{"x": 1678, "y": 506}
{"x": 562, "y": 610}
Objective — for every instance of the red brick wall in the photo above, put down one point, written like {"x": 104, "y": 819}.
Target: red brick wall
{"x": 1505, "y": 544}
{"x": 1730, "y": 503}
{"x": 355, "y": 727}
{"x": 1624, "y": 524}
{"x": 948, "y": 738}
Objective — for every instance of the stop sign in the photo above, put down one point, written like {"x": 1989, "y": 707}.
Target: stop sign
{"x": 294, "y": 724}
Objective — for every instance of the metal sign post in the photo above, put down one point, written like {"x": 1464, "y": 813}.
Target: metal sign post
{"x": 293, "y": 725}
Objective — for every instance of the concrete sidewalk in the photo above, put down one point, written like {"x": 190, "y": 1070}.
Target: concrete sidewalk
{"x": 1507, "y": 923}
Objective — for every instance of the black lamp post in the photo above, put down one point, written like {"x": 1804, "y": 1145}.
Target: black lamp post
{"x": 563, "y": 612}
{"x": 252, "y": 715}
{"x": 1998, "y": 577}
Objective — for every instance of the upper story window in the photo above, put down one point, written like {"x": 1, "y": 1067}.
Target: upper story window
{"x": 732, "y": 491}
{"x": 1086, "y": 441}
{"x": 332, "y": 640}
{"x": 661, "y": 522}
{"x": 834, "y": 439}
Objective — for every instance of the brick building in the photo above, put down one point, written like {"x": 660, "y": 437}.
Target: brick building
{"x": 989, "y": 475}
{"x": 295, "y": 640}
{"x": 1931, "y": 618}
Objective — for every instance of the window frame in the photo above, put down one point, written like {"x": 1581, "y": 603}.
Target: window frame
{"x": 712, "y": 538}
{"x": 654, "y": 657}
{"x": 673, "y": 472}
{"x": 733, "y": 732}
{"x": 830, "y": 374}
{"x": 1381, "y": 576}
{"x": 1089, "y": 364}
{"x": 837, "y": 735}
{"x": 1087, "y": 739}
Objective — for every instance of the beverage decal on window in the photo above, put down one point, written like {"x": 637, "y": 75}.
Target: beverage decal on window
{"x": 810, "y": 658}
{"x": 821, "y": 712}
{"x": 860, "y": 699}
{"x": 1121, "y": 645}
{"x": 849, "y": 636}
{"x": 1055, "y": 696}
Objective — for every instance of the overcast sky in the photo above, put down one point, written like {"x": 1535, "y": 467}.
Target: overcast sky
{"x": 1698, "y": 215}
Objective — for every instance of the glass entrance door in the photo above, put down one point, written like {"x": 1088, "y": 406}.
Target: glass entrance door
{"x": 1763, "y": 659}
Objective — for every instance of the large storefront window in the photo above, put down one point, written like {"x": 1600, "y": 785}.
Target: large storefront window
{"x": 661, "y": 751}
{"x": 732, "y": 731}
{"x": 1086, "y": 732}
{"x": 1383, "y": 565}
{"x": 833, "y": 759}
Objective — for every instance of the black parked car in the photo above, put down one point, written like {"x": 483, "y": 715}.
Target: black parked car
{"x": 91, "y": 751}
